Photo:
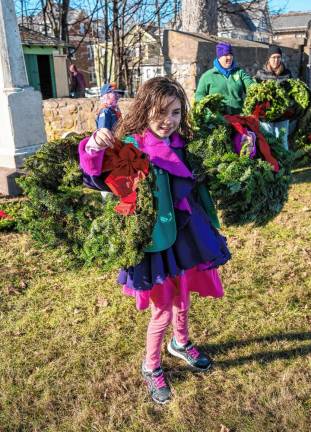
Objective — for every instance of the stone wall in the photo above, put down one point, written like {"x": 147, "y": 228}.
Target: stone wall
{"x": 72, "y": 115}
{"x": 188, "y": 55}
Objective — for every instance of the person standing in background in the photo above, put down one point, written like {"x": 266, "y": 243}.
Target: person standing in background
{"x": 225, "y": 78}
{"x": 274, "y": 69}
{"x": 77, "y": 82}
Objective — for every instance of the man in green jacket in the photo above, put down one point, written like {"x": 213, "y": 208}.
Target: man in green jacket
{"x": 225, "y": 78}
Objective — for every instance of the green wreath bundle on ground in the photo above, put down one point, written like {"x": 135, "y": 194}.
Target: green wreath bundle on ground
{"x": 245, "y": 189}
{"x": 9, "y": 210}
{"x": 61, "y": 211}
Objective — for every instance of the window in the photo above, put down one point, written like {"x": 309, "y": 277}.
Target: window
{"x": 89, "y": 52}
{"x": 92, "y": 76}
{"x": 82, "y": 28}
{"x": 72, "y": 53}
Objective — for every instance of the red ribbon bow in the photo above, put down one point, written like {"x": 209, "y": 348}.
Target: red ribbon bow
{"x": 127, "y": 167}
{"x": 241, "y": 124}
{"x": 260, "y": 110}
{"x": 4, "y": 215}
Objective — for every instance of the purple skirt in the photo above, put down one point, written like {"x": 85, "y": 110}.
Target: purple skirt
{"x": 197, "y": 243}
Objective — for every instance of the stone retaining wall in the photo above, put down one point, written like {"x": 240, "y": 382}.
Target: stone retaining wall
{"x": 72, "y": 115}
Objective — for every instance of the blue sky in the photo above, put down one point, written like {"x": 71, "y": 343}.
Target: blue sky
{"x": 290, "y": 5}
{"x": 283, "y": 6}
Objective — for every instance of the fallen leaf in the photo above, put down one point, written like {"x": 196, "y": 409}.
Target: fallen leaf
{"x": 22, "y": 285}
{"x": 11, "y": 290}
{"x": 101, "y": 303}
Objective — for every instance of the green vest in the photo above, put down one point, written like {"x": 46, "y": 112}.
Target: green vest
{"x": 164, "y": 231}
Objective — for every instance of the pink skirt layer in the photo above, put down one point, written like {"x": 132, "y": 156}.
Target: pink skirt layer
{"x": 204, "y": 282}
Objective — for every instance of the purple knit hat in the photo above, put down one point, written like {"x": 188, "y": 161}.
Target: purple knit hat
{"x": 223, "y": 48}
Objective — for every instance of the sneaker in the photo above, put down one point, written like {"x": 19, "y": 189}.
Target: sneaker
{"x": 190, "y": 354}
{"x": 157, "y": 385}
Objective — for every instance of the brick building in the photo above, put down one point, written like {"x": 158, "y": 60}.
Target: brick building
{"x": 82, "y": 31}
{"x": 294, "y": 30}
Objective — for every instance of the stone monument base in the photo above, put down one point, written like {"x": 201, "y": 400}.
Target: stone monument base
{"x": 8, "y": 184}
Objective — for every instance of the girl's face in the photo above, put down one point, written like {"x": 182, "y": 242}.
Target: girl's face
{"x": 168, "y": 120}
{"x": 226, "y": 61}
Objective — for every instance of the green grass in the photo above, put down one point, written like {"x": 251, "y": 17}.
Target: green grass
{"x": 71, "y": 345}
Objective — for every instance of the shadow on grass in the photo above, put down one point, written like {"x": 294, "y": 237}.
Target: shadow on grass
{"x": 179, "y": 373}
{"x": 302, "y": 176}
{"x": 266, "y": 357}
{"x": 222, "y": 347}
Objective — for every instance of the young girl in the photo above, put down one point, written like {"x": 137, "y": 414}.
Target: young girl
{"x": 186, "y": 249}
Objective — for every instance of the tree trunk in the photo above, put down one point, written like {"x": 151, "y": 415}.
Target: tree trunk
{"x": 64, "y": 21}
{"x": 116, "y": 47}
{"x": 106, "y": 43}
{"x": 199, "y": 16}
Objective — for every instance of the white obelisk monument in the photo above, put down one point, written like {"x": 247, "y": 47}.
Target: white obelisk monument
{"x": 21, "y": 118}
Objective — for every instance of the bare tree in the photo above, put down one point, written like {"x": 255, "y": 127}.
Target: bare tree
{"x": 130, "y": 19}
{"x": 117, "y": 17}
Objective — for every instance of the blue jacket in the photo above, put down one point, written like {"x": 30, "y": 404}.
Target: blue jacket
{"x": 106, "y": 118}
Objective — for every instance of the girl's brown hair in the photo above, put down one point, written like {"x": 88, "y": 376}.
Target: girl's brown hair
{"x": 150, "y": 98}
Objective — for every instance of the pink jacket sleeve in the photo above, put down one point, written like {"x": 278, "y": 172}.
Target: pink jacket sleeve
{"x": 91, "y": 163}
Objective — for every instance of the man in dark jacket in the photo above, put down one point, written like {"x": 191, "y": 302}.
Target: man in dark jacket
{"x": 274, "y": 69}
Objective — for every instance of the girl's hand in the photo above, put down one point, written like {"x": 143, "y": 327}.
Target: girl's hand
{"x": 104, "y": 139}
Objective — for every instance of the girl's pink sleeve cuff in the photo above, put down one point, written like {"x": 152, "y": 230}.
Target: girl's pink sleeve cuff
{"x": 91, "y": 163}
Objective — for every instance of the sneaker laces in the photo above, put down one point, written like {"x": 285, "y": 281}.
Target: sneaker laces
{"x": 159, "y": 380}
{"x": 193, "y": 352}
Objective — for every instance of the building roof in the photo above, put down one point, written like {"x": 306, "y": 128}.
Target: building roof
{"x": 32, "y": 37}
{"x": 292, "y": 20}
{"x": 245, "y": 16}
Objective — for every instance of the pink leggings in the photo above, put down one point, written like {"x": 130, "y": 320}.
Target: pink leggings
{"x": 162, "y": 315}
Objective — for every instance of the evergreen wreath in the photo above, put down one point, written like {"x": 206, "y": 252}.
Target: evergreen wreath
{"x": 299, "y": 92}
{"x": 117, "y": 241}
{"x": 61, "y": 211}
{"x": 267, "y": 91}
{"x": 246, "y": 190}
{"x": 9, "y": 210}
{"x": 302, "y": 136}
